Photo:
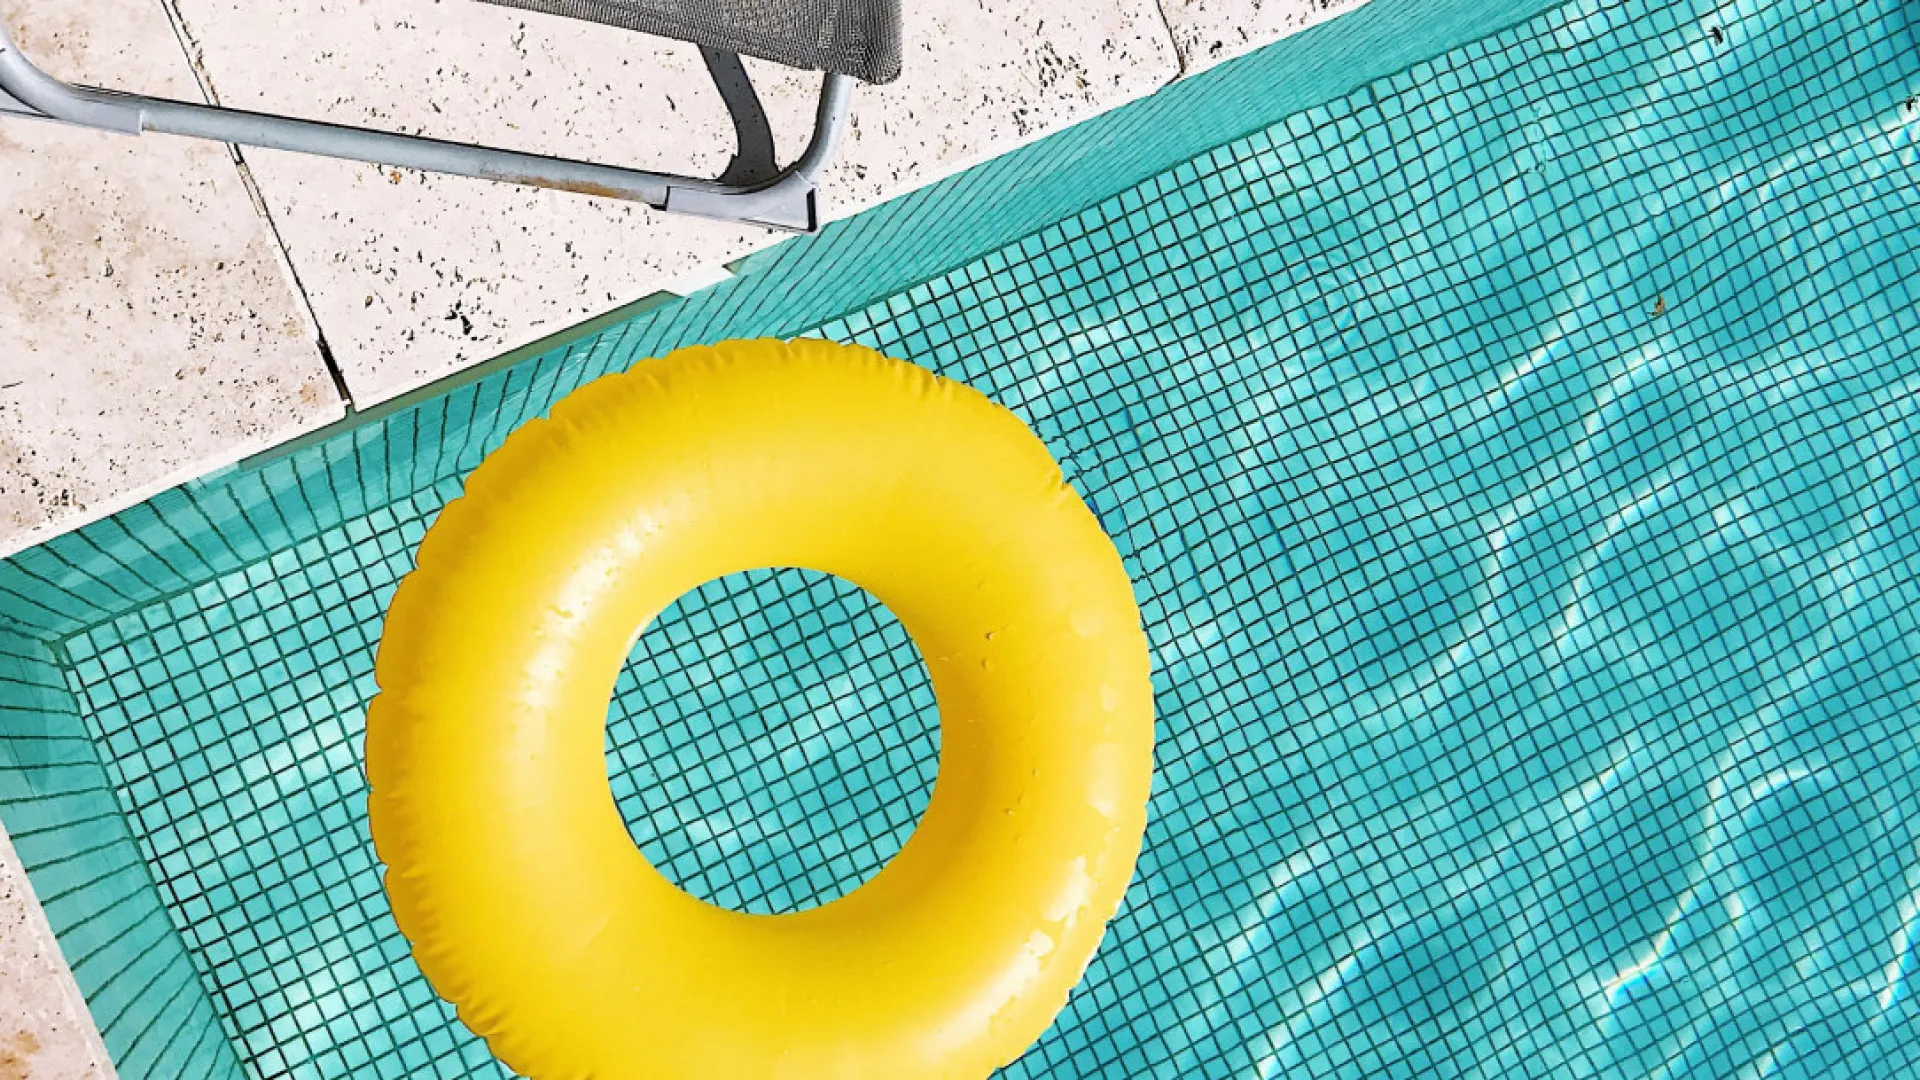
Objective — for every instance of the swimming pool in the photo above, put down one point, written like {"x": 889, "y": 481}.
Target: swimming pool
{"x": 1510, "y": 427}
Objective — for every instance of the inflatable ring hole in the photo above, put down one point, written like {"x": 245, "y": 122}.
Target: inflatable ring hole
{"x": 772, "y": 740}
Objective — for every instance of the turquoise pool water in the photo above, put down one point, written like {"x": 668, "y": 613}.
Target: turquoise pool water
{"x": 1518, "y": 463}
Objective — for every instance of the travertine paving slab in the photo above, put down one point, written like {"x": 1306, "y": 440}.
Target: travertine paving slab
{"x": 45, "y": 1031}
{"x": 413, "y": 277}
{"x": 148, "y": 329}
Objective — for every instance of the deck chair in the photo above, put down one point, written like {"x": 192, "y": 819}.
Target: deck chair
{"x": 848, "y": 40}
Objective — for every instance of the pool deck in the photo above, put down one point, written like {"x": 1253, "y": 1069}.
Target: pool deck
{"x": 45, "y": 1032}
{"x": 172, "y": 307}
{"x": 169, "y": 307}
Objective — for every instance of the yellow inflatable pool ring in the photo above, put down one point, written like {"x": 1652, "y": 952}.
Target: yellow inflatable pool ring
{"x": 509, "y": 866}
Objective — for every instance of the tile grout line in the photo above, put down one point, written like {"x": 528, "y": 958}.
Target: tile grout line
{"x": 192, "y": 52}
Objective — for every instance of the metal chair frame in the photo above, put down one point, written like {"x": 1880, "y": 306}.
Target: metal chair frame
{"x": 784, "y": 201}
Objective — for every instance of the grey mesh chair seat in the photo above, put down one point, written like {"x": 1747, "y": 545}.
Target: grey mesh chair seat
{"x": 849, "y": 40}
{"x": 858, "y": 38}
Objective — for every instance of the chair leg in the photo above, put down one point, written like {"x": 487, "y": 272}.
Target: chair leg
{"x": 754, "y": 160}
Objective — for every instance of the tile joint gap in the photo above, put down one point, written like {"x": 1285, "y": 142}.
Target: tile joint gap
{"x": 191, "y": 50}
{"x": 1173, "y": 42}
